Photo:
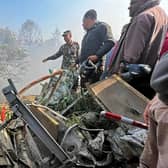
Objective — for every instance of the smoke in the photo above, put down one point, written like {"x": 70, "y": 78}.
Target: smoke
{"x": 36, "y": 68}
{"x": 21, "y": 55}
{"x": 23, "y": 71}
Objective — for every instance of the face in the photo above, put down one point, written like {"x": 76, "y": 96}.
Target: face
{"x": 87, "y": 23}
{"x": 134, "y": 6}
{"x": 67, "y": 38}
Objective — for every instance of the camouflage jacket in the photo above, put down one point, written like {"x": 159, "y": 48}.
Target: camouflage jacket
{"x": 69, "y": 53}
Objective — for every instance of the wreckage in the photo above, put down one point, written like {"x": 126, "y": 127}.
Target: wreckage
{"x": 61, "y": 128}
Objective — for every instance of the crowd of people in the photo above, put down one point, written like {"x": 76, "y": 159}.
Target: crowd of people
{"x": 143, "y": 41}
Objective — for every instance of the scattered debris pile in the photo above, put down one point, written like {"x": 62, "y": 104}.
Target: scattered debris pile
{"x": 63, "y": 128}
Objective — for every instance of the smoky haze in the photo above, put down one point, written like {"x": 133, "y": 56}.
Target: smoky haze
{"x": 21, "y": 55}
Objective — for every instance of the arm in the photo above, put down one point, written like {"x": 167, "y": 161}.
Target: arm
{"x": 137, "y": 38}
{"x": 77, "y": 54}
{"x": 56, "y": 55}
{"x": 147, "y": 109}
{"x": 107, "y": 40}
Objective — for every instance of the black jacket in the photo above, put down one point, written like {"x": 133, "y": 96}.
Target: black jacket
{"x": 97, "y": 41}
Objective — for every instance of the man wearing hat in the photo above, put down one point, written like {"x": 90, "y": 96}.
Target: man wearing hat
{"x": 155, "y": 154}
{"x": 97, "y": 41}
{"x": 69, "y": 51}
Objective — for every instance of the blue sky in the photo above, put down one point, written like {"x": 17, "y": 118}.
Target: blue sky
{"x": 64, "y": 14}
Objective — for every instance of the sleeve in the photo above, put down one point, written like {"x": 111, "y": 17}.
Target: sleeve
{"x": 137, "y": 38}
{"x": 107, "y": 39}
{"x": 77, "y": 53}
{"x": 56, "y": 55}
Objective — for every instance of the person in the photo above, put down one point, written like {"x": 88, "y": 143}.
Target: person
{"x": 156, "y": 147}
{"x": 97, "y": 41}
{"x": 142, "y": 39}
{"x": 69, "y": 51}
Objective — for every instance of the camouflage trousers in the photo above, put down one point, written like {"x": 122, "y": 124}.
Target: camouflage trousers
{"x": 58, "y": 92}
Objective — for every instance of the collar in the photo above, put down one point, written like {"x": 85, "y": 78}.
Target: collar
{"x": 94, "y": 26}
{"x": 70, "y": 43}
{"x": 147, "y": 5}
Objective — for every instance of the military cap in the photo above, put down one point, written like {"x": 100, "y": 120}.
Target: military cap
{"x": 66, "y": 32}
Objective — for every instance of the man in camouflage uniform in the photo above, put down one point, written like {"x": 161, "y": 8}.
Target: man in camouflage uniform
{"x": 69, "y": 51}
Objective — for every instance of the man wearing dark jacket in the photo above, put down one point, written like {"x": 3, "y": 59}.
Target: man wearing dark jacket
{"x": 98, "y": 39}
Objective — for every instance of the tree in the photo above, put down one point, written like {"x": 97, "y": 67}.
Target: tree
{"x": 54, "y": 41}
{"x": 56, "y": 37}
{"x": 7, "y": 37}
{"x": 56, "y": 34}
{"x": 30, "y": 33}
{"x": 11, "y": 54}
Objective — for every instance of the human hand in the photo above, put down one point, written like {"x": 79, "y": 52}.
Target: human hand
{"x": 146, "y": 113}
{"x": 147, "y": 110}
{"x": 44, "y": 60}
{"x": 93, "y": 58}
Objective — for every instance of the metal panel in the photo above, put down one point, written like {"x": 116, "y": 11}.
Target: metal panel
{"x": 119, "y": 97}
{"x": 21, "y": 110}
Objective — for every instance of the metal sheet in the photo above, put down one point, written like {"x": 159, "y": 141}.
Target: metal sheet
{"x": 119, "y": 97}
{"x": 21, "y": 110}
{"x": 46, "y": 120}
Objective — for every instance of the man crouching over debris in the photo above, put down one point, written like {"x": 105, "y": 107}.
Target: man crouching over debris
{"x": 155, "y": 153}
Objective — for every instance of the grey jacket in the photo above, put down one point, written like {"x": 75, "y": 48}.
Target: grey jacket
{"x": 97, "y": 41}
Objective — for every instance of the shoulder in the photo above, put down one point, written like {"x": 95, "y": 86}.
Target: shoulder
{"x": 75, "y": 43}
{"x": 102, "y": 25}
{"x": 145, "y": 16}
{"x": 151, "y": 15}
{"x": 63, "y": 45}
{"x": 144, "y": 19}
{"x": 155, "y": 11}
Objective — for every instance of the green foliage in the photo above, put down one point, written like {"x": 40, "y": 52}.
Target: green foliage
{"x": 12, "y": 55}
{"x": 30, "y": 33}
{"x": 7, "y": 37}
{"x": 86, "y": 104}
{"x": 64, "y": 102}
{"x": 73, "y": 119}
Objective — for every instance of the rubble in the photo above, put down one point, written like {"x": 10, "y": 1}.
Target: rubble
{"x": 41, "y": 137}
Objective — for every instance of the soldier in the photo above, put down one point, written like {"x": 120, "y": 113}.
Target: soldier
{"x": 69, "y": 51}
